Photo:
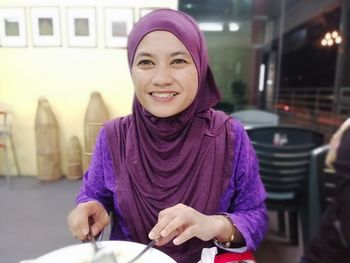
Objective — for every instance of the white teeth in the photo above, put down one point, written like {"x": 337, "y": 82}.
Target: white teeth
{"x": 164, "y": 95}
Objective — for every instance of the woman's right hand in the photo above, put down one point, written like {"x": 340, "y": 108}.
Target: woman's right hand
{"x": 78, "y": 219}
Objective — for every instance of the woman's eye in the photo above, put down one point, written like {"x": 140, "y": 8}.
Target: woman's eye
{"x": 179, "y": 61}
{"x": 145, "y": 62}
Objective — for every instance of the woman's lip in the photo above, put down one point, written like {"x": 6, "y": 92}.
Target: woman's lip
{"x": 163, "y": 96}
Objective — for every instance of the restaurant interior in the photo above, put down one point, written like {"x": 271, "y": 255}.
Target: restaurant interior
{"x": 281, "y": 67}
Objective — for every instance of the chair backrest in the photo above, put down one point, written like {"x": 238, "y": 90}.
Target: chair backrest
{"x": 255, "y": 117}
{"x": 284, "y": 156}
{"x": 322, "y": 187}
{"x": 5, "y": 119}
{"x": 324, "y": 178}
{"x": 5, "y": 123}
{"x": 317, "y": 165}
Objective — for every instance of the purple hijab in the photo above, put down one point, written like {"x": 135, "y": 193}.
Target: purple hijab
{"x": 187, "y": 158}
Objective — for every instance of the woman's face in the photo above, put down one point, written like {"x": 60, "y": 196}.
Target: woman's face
{"x": 164, "y": 74}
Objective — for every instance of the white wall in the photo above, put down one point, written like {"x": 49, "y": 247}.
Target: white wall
{"x": 65, "y": 76}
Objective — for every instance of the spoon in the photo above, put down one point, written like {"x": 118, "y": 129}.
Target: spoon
{"x": 100, "y": 255}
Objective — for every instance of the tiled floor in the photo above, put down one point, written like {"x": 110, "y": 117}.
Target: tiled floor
{"x": 33, "y": 222}
{"x": 275, "y": 249}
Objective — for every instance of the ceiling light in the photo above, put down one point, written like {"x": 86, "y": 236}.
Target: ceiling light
{"x": 330, "y": 42}
{"x": 331, "y": 38}
{"x": 211, "y": 26}
{"x": 338, "y": 40}
{"x": 233, "y": 27}
{"x": 334, "y": 34}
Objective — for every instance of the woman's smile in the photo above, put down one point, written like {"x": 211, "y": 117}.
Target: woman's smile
{"x": 164, "y": 96}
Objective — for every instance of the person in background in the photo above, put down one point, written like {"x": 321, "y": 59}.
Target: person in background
{"x": 174, "y": 170}
{"x": 332, "y": 242}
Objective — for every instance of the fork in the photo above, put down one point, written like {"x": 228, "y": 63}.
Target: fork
{"x": 150, "y": 245}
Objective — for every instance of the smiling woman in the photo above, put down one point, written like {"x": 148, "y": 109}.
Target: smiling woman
{"x": 175, "y": 169}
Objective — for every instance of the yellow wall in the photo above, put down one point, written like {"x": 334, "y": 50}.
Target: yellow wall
{"x": 65, "y": 76}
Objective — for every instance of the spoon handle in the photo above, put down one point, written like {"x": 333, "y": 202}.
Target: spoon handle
{"x": 91, "y": 236}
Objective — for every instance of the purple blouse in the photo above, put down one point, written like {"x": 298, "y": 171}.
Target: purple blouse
{"x": 243, "y": 200}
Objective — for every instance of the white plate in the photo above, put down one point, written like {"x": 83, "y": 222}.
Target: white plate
{"x": 124, "y": 250}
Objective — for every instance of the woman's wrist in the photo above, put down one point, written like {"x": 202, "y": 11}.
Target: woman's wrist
{"x": 227, "y": 233}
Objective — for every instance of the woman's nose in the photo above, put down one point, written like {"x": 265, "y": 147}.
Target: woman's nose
{"x": 162, "y": 76}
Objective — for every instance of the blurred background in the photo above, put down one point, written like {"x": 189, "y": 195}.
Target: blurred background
{"x": 290, "y": 58}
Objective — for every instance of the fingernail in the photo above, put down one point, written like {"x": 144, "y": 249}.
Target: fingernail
{"x": 85, "y": 231}
{"x": 151, "y": 235}
{"x": 163, "y": 233}
{"x": 175, "y": 241}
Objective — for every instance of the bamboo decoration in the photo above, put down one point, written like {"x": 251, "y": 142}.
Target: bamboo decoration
{"x": 47, "y": 143}
{"x": 96, "y": 115}
{"x": 74, "y": 162}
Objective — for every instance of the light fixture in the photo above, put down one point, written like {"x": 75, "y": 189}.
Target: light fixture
{"x": 330, "y": 42}
{"x": 331, "y": 38}
{"x": 334, "y": 34}
{"x": 338, "y": 39}
{"x": 269, "y": 82}
{"x": 211, "y": 26}
{"x": 233, "y": 26}
{"x": 262, "y": 77}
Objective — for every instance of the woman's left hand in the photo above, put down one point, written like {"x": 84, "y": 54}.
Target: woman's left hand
{"x": 182, "y": 222}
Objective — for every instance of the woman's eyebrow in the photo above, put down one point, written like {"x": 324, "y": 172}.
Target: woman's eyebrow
{"x": 143, "y": 54}
{"x": 179, "y": 53}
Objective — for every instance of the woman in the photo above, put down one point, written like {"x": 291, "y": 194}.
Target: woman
{"x": 174, "y": 170}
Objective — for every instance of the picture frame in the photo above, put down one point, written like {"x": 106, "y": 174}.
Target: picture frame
{"x": 118, "y": 24}
{"x": 13, "y": 31}
{"x": 145, "y": 10}
{"x": 46, "y": 27}
{"x": 81, "y": 22}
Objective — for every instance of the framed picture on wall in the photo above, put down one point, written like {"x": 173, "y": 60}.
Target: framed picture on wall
{"x": 145, "y": 10}
{"x": 118, "y": 24}
{"x": 13, "y": 27}
{"x": 46, "y": 26}
{"x": 81, "y": 22}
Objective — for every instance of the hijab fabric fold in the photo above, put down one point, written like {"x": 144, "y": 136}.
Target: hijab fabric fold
{"x": 186, "y": 158}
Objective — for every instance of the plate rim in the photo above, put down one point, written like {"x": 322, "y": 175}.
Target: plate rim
{"x": 104, "y": 243}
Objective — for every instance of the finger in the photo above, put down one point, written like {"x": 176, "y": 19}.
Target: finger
{"x": 158, "y": 228}
{"x": 83, "y": 229}
{"x": 78, "y": 225}
{"x": 100, "y": 222}
{"x": 171, "y": 211}
{"x": 99, "y": 225}
{"x": 187, "y": 234}
{"x": 164, "y": 240}
{"x": 164, "y": 217}
{"x": 175, "y": 226}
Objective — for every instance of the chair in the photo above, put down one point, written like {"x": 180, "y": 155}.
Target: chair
{"x": 5, "y": 162}
{"x": 6, "y": 142}
{"x": 322, "y": 188}
{"x": 255, "y": 117}
{"x": 284, "y": 156}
